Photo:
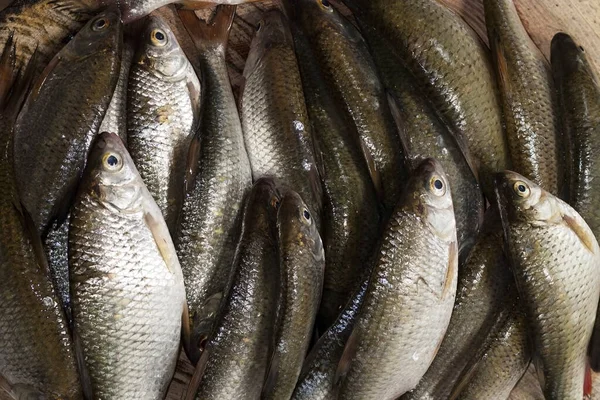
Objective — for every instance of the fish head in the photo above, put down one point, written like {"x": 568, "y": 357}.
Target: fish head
{"x": 271, "y": 31}
{"x": 160, "y": 52}
{"x": 568, "y": 57}
{"x": 319, "y": 16}
{"x": 428, "y": 195}
{"x": 104, "y": 32}
{"x": 111, "y": 176}
{"x": 519, "y": 199}
{"x": 295, "y": 223}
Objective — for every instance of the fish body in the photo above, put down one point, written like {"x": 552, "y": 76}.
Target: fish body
{"x": 302, "y": 264}
{"x": 555, "y": 260}
{"x": 528, "y": 387}
{"x": 528, "y": 98}
{"x": 277, "y": 131}
{"x": 163, "y": 96}
{"x": 236, "y": 356}
{"x": 127, "y": 291}
{"x": 56, "y": 246}
{"x": 61, "y": 117}
{"x": 408, "y": 303}
{"x": 212, "y": 208}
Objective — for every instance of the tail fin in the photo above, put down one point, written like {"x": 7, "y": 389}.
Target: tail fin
{"x": 210, "y": 33}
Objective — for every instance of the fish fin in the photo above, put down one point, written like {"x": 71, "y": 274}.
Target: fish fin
{"x": 587, "y": 381}
{"x": 186, "y": 333}
{"x": 209, "y": 33}
{"x": 191, "y": 171}
{"x": 594, "y": 347}
{"x": 39, "y": 82}
{"x": 271, "y": 376}
{"x": 7, "y": 68}
{"x": 372, "y": 168}
{"x": 22, "y": 88}
{"x": 451, "y": 271}
{"x": 401, "y": 128}
{"x": 539, "y": 370}
{"x": 162, "y": 238}
{"x": 586, "y": 236}
{"x": 346, "y": 359}
{"x": 194, "y": 384}
{"x": 84, "y": 375}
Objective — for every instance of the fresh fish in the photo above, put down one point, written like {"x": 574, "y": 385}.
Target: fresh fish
{"x": 528, "y": 387}
{"x": 36, "y": 351}
{"x": 61, "y": 117}
{"x": 277, "y": 131}
{"x": 343, "y": 55}
{"x": 302, "y": 264}
{"x": 483, "y": 285}
{"x": 115, "y": 119}
{"x": 351, "y": 222}
{"x": 127, "y": 290}
{"x": 451, "y": 67}
{"x": 579, "y": 96}
{"x": 56, "y": 246}
{"x": 316, "y": 381}
{"x": 235, "y": 360}
{"x": 556, "y": 262}
{"x": 210, "y": 220}
{"x": 527, "y": 91}
{"x": 506, "y": 358}
{"x": 408, "y": 303}
{"x": 163, "y": 97}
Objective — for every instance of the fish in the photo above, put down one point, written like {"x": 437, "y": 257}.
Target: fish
{"x": 411, "y": 290}
{"x": 214, "y": 198}
{"x": 502, "y": 364}
{"x": 56, "y": 247}
{"x": 235, "y": 360}
{"x": 484, "y": 282}
{"x": 126, "y": 282}
{"x": 277, "y": 129}
{"x": 316, "y": 380}
{"x": 555, "y": 259}
{"x": 61, "y": 117}
{"x": 451, "y": 67}
{"x": 37, "y": 358}
{"x": 302, "y": 262}
{"x": 343, "y": 56}
{"x": 351, "y": 216}
{"x": 528, "y": 387}
{"x": 115, "y": 119}
{"x": 528, "y": 98}
{"x": 163, "y": 106}
{"x": 579, "y": 99}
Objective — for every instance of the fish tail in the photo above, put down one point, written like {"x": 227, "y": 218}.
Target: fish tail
{"x": 587, "y": 382}
{"x": 212, "y": 32}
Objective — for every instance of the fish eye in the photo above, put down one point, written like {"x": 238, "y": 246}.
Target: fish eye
{"x": 112, "y": 161}
{"x": 521, "y": 189}
{"x": 306, "y": 214}
{"x": 325, "y": 4}
{"x": 100, "y": 24}
{"x": 436, "y": 184}
{"x": 158, "y": 37}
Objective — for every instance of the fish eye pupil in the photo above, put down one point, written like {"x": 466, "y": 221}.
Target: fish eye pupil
{"x": 101, "y": 23}
{"x": 112, "y": 160}
{"x": 438, "y": 184}
{"x": 159, "y": 36}
{"x": 325, "y": 3}
{"x": 306, "y": 215}
{"x": 522, "y": 188}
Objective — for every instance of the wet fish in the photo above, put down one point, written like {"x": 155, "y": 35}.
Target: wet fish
{"x": 56, "y": 246}
{"x": 412, "y": 290}
{"x": 277, "y": 131}
{"x": 528, "y": 387}
{"x": 343, "y": 55}
{"x": 163, "y": 97}
{"x": 556, "y": 262}
{"x": 36, "y": 351}
{"x": 316, "y": 380}
{"x": 302, "y": 264}
{"x": 126, "y": 282}
{"x": 502, "y": 364}
{"x": 61, "y": 117}
{"x": 527, "y": 91}
{"x": 115, "y": 119}
{"x": 451, "y": 66}
{"x": 351, "y": 221}
{"x": 236, "y": 358}
{"x": 483, "y": 285}
{"x": 210, "y": 219}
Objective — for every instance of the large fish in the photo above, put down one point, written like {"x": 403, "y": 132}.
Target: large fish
{"x": 36, "y": 351}
{"x": 452, "y": 68}
{"x": 210, "y": 219}
{"x": 351, "y": 221}
{"x": 235, "y": 360}
{"x": 61, "y": 117}
{"x": 410, "y": 297}
{"x": 343, "y": 55}
{"x": 302, "y": 263}
{"x": 556, "y": 262}
{"x": 528, "y": 98}
{"x": 483, "y": 285}
{"x": 127, "y": 290}
{"x": 277, "y": 131}
{"x": 163, "y": 103}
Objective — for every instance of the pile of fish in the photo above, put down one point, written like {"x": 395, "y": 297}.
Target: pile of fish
{"x": 348, "y": 227}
